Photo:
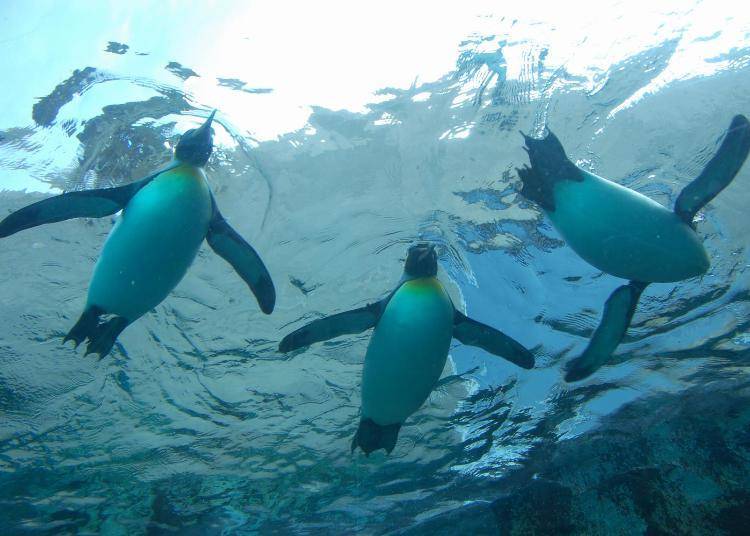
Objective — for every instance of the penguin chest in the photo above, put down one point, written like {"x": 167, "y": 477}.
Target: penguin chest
{"x": 624, "y": 233}
{"x": 153, "y": 243}
{"x": 407, "y": 351}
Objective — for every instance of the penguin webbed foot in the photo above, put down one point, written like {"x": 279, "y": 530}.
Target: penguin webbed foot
{"x": 371, "y": 436}
{"x": 534, "y": 189}
{"x": 100, "y": 334}
{"x": 549, "y": 164}
{"x": 87, "y": 323}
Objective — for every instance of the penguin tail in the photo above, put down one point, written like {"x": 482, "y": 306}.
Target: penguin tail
{"x": 549, "y": 164}
{"x": 101, "y": 334}
{"x": 371, "y": 436}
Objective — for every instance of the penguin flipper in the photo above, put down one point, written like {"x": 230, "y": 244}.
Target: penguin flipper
{"x": 244, "y": 259}
{"x": 78, "y": 204}
{"x": 719, "y": 171}
{"x": 322, "y": 329}
{"x": 618, "y": 312}
{"x": 474, "y": 333}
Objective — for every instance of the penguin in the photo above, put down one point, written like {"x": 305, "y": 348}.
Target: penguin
{"x": 408, "y": 348}
{"x": 624, "y": 233}
{"x": 165, "y": 217}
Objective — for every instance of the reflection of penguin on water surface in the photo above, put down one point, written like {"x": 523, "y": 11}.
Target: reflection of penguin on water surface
{"x": 165, "y": 218}
{"x": 624, "y": 233}
{"x": 414, "y": 326}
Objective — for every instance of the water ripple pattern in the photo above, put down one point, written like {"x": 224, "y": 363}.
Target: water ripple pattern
{"x": 343, "y": 135}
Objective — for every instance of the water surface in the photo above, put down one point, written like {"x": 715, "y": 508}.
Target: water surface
{"x": 343, "y": 134}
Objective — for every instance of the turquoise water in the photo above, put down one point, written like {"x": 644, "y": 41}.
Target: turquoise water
{"x": 343, "y": 134}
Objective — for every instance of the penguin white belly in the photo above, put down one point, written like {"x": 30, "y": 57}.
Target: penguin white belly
{"x": 407, "y": 351}
{"x": 152, "y": 244}
{"x": 624, "y": 233}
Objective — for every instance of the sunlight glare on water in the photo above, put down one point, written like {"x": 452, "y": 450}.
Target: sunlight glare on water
{"x": 345, "y": 132}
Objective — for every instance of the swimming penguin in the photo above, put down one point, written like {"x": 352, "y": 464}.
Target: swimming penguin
{"x": 624, "y": 233}
{"x": 414, "y": 326}
{"x": 165, "y": 217}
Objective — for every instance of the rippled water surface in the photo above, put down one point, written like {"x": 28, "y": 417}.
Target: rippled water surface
{"x": 345, "y": 132}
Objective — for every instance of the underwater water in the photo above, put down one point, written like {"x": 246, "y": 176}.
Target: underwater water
{"x": 344, "y": 133}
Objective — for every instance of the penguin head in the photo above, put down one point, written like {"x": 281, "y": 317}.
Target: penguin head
{"x": 421, "y": 260}
{"x": 196, "y": 144}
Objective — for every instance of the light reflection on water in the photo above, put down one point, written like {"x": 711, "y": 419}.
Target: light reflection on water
{"x": 379, "y": 129}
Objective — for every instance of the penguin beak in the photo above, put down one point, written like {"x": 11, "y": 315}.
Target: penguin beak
{"x": 205, "y": 128}
{"x": 196, "y": 145}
